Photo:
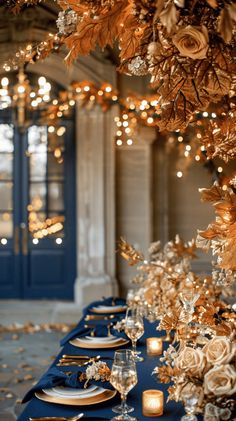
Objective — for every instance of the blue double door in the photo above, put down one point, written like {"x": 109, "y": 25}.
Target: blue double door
{"x": 37, "y": 212}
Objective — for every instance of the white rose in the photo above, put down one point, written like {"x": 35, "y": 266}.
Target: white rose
{"x": 192, "y": 42}
{"x": 220, "y": 380}
{"x": 219, "y": 350}
{"x": 191, "y": 360}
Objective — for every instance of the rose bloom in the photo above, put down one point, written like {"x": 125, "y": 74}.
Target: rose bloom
{"x": 219, "y": 350}
{"x": 192, "y": 41}
{"x": 192, "y": 360}
{"x": 213, "y": 413}
{"x": 220, "y": 380}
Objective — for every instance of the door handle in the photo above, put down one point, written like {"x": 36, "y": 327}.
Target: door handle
{"x": 16, "y": 241}
{"x": 24, "y": 229}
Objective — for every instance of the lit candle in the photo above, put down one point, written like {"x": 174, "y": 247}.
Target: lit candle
{"x": 154, "y": 346}
{"x": 152, "y": 403}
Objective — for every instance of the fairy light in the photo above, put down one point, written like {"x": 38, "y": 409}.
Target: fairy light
{"x": 129, "y": 142}
{"x": 119, "y": 142}
{"x": 220, "y": 169}
{"x": 180, "y": 139}
{"x": 188, "y": 148}
{"x": 205, "y": 114}
{"x": 179, "y": 174}
{"x": 4, "y": 82}
{"x": 197, "y": 158}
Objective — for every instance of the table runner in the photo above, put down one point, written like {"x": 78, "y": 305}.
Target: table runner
{"x": 172, "y": 410}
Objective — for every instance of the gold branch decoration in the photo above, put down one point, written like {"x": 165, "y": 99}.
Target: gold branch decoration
{"x": 129, "y": 253}
{"x": 220, "y": 235}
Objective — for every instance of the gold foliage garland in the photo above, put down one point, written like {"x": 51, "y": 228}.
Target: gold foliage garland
{"x": 188, "y": 48}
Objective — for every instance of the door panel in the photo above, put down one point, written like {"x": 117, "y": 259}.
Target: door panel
{"x": 37, "y": 177}
{"x": 9, "y": 235}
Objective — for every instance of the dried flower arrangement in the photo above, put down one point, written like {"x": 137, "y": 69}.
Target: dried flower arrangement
{"x": 205, "y": 375}
{"x": 162, "y": 282}
{"x": 98, "y": 371}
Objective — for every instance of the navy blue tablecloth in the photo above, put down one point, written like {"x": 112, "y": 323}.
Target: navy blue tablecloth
{"x": 172, "y": 410}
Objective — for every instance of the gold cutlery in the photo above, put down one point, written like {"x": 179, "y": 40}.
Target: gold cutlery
{"x": 98, "y": 317}
{"x": 77, "y": 361}
{"x": 74, "y": 418}
{"x": 78, "y": 357}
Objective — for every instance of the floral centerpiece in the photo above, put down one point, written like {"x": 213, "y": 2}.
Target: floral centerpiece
{"x": 207, "y": 373}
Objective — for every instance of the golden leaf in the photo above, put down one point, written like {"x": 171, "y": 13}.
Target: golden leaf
{"x": 129, "y": 253}
{"x": 130, "y": 40}
{"x": 169, "y": 16}
{"x": 212, "y": 3}
{"x": 102, "y": 31}
{"x": 74, "y": 5}
{"x": 211, "y": 195}
{"x": 225, "y": 25}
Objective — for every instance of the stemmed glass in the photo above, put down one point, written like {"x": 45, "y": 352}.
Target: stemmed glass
{"x": 134, "y": 329}
{"x": 188, "y": 299}
{"x": 190, "y": 403}
{"x": 123, "y": 378}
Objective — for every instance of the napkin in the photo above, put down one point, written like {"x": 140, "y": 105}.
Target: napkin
{"x": 105, "y": 302}
{"x": 55, "y": 377}
{"x": 100, "y": 330}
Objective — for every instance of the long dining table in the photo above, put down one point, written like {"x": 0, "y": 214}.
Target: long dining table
{"x": 146, "y": 380}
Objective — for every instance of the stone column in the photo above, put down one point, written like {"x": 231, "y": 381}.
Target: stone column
{"x": 134, "y": 198}
{"x": 95, "y": 205}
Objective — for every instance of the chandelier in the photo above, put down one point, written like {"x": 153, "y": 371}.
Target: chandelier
{"x": 23, "y": 98}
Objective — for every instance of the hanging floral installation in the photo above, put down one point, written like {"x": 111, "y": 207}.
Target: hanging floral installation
{"x": 187, "y": 47}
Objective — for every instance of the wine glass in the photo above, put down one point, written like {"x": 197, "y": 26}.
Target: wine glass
{"x": 123, "y": 378}
{"x": 190, "y": 403}
{"x": 134, "y": 329}
{"x": 118, "y": 358}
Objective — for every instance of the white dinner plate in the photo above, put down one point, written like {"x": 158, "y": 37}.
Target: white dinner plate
{"x": 87, "y": 344}
{"x": 54, "y": 393}
{"x": 62, "y": 390}
{"x": 100, "y": 338}
{"x": 110, "y": 307}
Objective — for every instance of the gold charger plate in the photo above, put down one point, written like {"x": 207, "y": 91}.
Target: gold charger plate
{"x": 105, "y": 396}
{"x": 108, "y": 311}
{"x": 81, "y": 344}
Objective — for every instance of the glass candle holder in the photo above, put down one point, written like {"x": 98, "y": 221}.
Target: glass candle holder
{"x": 154, "y": 346}
{"x": 152, "y": 403}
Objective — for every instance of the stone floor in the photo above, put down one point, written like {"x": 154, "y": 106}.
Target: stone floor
{"x": 25, "y": 356}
